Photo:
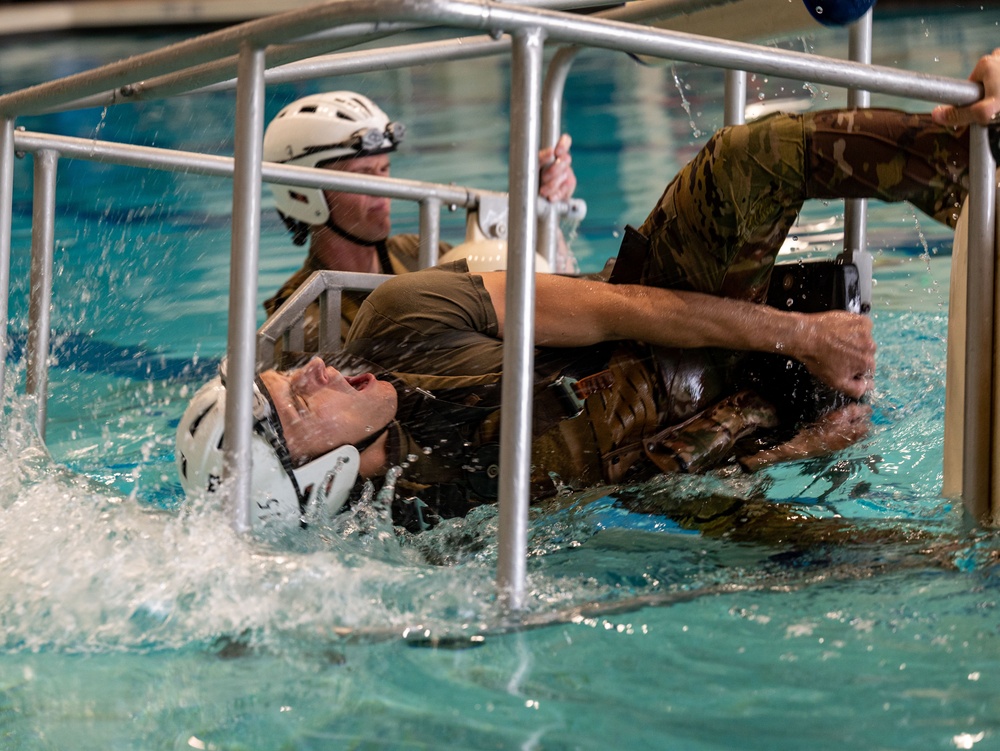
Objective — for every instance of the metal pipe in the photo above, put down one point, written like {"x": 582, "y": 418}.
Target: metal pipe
{"x": 519, "y": 323}
{"x": 552, "y": 97}
{"x": 735, "y": 106}
{"x": 6, "y": 222}
{"x": 430, "y": 232}
{"x": 218, "y": 75}
{"x": 214, "y": 76}
{"x": 240, "y": 345}
{"x": 40, "y": 296}
{"x": 107, "y": 152}
{"x": 856, "y": 209}
{"x": 496, "y": 17}
{"x": 979, "y": 350}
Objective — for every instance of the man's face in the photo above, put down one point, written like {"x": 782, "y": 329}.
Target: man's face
{"x": 320, "y": 409}
{"x": 366, "y": 217}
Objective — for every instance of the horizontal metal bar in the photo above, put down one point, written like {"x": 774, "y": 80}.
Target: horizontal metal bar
{"x": 294, "y": 308}
{"x": 561, "y": 27}
{"x": 205, "y": 164}
{"x": 219, "y": 75}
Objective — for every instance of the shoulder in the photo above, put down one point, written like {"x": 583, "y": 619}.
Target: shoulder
{"x": 446, "y": 297}
{"x": 293, "y": 282}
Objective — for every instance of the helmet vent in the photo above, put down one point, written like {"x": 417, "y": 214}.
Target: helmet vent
{"x": 308, "y": 108}
{"x": 193, "y": 428}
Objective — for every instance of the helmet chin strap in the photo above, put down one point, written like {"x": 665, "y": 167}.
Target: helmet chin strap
{"x": 367, "y": 441}
{"x": 384, "y": 262}
{"x": 338, "y": 230}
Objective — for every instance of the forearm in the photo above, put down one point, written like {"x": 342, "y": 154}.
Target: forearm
{"x": 837, "y": 347}
{"x": 587, "y": 312}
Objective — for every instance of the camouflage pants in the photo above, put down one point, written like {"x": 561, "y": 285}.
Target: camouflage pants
{"x": 720, "y": 222}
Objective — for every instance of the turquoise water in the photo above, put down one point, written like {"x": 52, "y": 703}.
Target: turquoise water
{"x": 130, "y": 621}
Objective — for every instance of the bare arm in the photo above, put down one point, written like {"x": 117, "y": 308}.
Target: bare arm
{"x": 837, "y": 347}
{"x": 986, "y": 110}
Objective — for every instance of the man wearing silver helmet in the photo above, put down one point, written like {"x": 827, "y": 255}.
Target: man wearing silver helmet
{"x": 632, "y": 379}
{"x": 346, "y": 131}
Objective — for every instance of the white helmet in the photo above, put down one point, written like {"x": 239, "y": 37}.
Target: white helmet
{"x": 283, "y": 497}
{"x": 318, "y": 129}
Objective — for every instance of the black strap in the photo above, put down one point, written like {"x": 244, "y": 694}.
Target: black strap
{"x": 384, "y": 262}
{"x": 993, "y": 136}
{"x": 631, "y": 257}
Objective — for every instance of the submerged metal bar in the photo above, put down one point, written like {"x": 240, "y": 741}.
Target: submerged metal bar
{"x": 979, "y": 339}
{"x": 40, "y": 296}
{"x": 519, "y": 323}
{"x": 240, "y": 345}
{"x": 6, "y": 226}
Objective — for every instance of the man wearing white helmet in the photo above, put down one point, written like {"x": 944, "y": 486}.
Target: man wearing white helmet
{"x": 346, "y": 131}
{"x": 631, "y": 379}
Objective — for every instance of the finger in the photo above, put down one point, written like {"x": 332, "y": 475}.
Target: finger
{"x": 563, "y": 145}
{"x": 985, "y": 112}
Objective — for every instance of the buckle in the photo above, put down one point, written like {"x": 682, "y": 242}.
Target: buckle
{"x": 568, "y": 395}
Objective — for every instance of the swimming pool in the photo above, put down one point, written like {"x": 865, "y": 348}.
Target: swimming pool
{"x": 132, "y": 623}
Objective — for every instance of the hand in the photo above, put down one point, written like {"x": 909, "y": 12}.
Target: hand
{"x": 833, "y": 431}
{"x": 840, "y": 351}
{"x": 987, "y": 109}
{"x": 557, "y": 180}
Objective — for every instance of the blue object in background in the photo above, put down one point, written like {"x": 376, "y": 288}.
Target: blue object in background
{"x": 837, "y": 12}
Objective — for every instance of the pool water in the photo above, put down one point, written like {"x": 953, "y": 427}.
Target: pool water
{"x": 129, "y": 620}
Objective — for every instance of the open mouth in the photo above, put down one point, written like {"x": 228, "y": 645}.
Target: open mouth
{"x": 359, "y": 382}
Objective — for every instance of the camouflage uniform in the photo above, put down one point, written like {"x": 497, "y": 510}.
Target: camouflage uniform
{"x": 716, "y": 229}
{"x": 720, "y": 223}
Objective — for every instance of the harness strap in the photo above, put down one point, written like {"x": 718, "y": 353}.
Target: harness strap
{"x": 564, "y": 398}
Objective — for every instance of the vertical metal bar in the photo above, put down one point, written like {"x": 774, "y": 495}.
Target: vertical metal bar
{"x": 515, "y": 439}
{"x": 430, "y": 231}
{"x": 6, "y": 218}
{"x": 43, "y": 214}
{"x": 245, "y": 251}
{"x": 552, "y": 96}
{"x": 856, "y": 209}
{"x": 979, "y": 352}
{"x": 735, "y": 107}
{"x": 330, "y": 313}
